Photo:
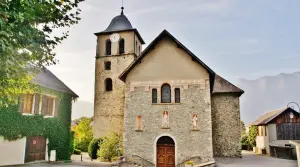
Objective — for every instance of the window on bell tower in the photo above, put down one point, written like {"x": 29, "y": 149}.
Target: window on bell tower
{"x": 121, "y": 46}
{"x": 107, "y": 65}
{"x": 108, "y": 84}
{"x": 108, "y": 47}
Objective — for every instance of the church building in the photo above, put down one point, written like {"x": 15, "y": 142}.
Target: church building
{"x": 166, "y": 103}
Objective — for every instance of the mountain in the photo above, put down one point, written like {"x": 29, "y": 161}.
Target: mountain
{"x": 82, "y": 108}
{"x": 268, "y": 93}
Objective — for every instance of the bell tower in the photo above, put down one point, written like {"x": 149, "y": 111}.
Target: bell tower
{"x": 117, "y": 47}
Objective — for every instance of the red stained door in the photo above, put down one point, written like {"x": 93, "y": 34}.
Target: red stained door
{"x": 35, "y": 149}
{"x": 165, "y": 156}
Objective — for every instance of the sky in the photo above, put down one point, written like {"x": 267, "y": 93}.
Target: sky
{"x": 236, "y": 38}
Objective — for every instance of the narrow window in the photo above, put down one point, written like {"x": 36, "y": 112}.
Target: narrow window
{"x": 28, "y": 102}
{"x": 154, "y": 95}
{"x": 108, "y": 47}
{"x": 107, "y": 65}
{"x": 108, "y": 84}
{"x": 121, "y": 46}
{"x": 136, "y": 46}
{"x": 177, "y": 95}
{"x": 165, "y": 93}
{"x": 139, "y": 50}
{"x": 139, "y": 123}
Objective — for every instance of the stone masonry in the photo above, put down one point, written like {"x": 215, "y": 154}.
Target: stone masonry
{"x": 226, "y": 125}
{"x": 195, "y": 99}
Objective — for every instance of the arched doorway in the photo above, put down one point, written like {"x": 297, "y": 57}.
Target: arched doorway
{"x": 165, "y": 153}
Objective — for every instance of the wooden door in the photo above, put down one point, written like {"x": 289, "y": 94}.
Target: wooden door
{"x": 165, "y": 156}
{"x": 35, "y": 149}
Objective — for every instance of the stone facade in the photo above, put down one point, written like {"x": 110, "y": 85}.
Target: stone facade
{"x": 195, "y": 99}
{"x": 226, "y": 125}
{"x": 109, "y": 106}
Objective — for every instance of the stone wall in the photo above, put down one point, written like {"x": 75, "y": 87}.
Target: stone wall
{"x": 109, "y": 106}
{"x": 226, "y": 125}
{"x": 195, "y": 99}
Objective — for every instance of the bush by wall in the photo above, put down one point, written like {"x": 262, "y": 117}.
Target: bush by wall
{"x": 94, "y": 146}
{"x": 77, "y": 152}
{"x": 13, "y": 125}
{"x": 108, "y": 148}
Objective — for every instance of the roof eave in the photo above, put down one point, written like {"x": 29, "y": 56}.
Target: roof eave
{"x": 132, "y": 29}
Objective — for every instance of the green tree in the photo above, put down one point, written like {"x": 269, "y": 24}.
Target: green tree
{"x": 243, "y": 128}
{"x": 83, "y": 134}
{"x": 110, "y": 147}
{"x": 252, "y": 135}
{"x": 27, "y": 40}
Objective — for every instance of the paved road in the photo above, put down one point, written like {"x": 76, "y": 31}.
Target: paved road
{"x": 251, "y": 160}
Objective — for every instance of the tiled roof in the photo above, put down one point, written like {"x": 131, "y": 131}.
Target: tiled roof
{"x": 267, "y": 117}
{"x": 47, "y": 79}
{"x": 221, "y": 85}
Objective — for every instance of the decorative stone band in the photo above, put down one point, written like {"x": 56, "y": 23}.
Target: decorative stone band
{"x": 184, "y": 84}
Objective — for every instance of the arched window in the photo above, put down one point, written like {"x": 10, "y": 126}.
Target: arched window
{"x": 108, "y": 47}
{"x": 108, "y": 84}
{"x": 165, "y": 93}
{"x": 177, "y": 95}
{"x": 121, "y": 46}
{"x": 154, "y": 95}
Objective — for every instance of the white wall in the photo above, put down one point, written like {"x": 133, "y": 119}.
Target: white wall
{"x": 12, "y": 153}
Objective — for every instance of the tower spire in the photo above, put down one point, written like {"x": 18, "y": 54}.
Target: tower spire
{"x": 122, "y": 8}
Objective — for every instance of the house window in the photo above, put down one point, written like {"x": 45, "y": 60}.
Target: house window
{"x": 139, "y": 50}
{"x": 50, "y": 106}
{"x": 28, "y": 103}
{"x": 136, "y": 46}
{"x": 107, "y": 65}
{"x": 177, "y": 95}
{"x": 154, "y": 95}
{"x": 108, "y": 47}
{"x": 121, "y": 46}
{"x": 165, "y": 93}
{"x": 108, "y": 84}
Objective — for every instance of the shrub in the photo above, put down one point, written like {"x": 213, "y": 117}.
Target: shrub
{"x": 94, "y": 146}
{"x": 82, "y": 145}
{"x": 110, "y": 147}
{"x": 77, "y": 152}
{"x": 252, "y": 135}
{"x": 190, "y": 162}
{"x": 244, "y": 140}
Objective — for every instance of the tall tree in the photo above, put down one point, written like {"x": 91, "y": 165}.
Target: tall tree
{"x": 83, "y": 134}
{"x": 27, "y": 40}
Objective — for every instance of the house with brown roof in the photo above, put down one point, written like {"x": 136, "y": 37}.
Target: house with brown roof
{"x": 276, "y": 129}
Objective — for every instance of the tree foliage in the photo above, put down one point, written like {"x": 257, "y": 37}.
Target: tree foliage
{"x": 27, "y": 39}
{"x": 243, "y": 128}
{"x": 83, "y": 134}
{"x": 110, "y": 147}
{"x": 252, "y": 135}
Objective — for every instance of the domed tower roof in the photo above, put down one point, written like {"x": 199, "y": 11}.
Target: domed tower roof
{"x": 119, "y": 23}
